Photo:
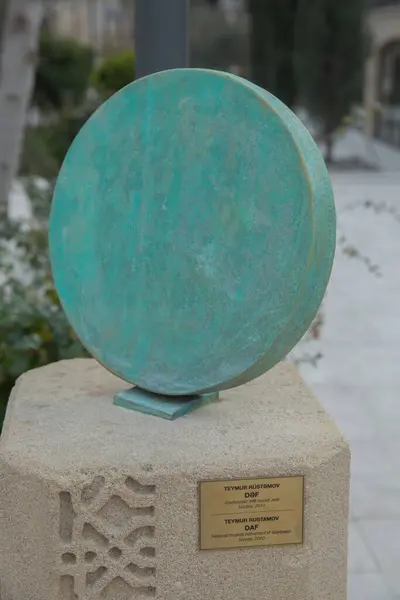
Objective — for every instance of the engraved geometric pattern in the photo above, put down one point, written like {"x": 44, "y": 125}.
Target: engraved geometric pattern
{"x": 106, "y": 534}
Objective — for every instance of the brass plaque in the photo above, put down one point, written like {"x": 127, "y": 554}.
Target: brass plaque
{"x": 251, "y": 512}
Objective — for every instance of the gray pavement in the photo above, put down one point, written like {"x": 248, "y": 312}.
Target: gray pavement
{"x": 358, "y": 377}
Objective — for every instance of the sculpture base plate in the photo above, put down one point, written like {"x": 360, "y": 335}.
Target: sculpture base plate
{"x": 166, "y": 407}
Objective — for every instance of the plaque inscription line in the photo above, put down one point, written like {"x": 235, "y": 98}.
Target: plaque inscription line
{"x": 255, "y": 512}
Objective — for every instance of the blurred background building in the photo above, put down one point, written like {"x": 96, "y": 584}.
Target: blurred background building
{"x": 105, "y": 25}
{"x": 382, "y": 73}
{"x": 220, "y": 39}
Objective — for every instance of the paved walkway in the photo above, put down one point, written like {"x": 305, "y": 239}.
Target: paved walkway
{"x": 354, "y": 144}
{"x": 358, "y": 377}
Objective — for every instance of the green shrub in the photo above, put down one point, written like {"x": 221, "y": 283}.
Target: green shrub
{"x": 60, "y": 134}
{"x": 46, "y": 145}
{"x": 33, "y": 328}
{"x": 36, "y": 157}
{"x": 33, "y": 332}
{"x": 114, "y": 72}
{"x": 63, "y": 73}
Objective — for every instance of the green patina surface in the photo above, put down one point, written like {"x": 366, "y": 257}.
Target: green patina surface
{"x": 192, "y": 232}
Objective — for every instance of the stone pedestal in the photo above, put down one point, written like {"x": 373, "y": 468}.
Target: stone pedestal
{"x": 101, "y": 503}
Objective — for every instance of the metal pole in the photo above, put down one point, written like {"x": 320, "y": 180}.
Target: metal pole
{"x": 161, "y": 35}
